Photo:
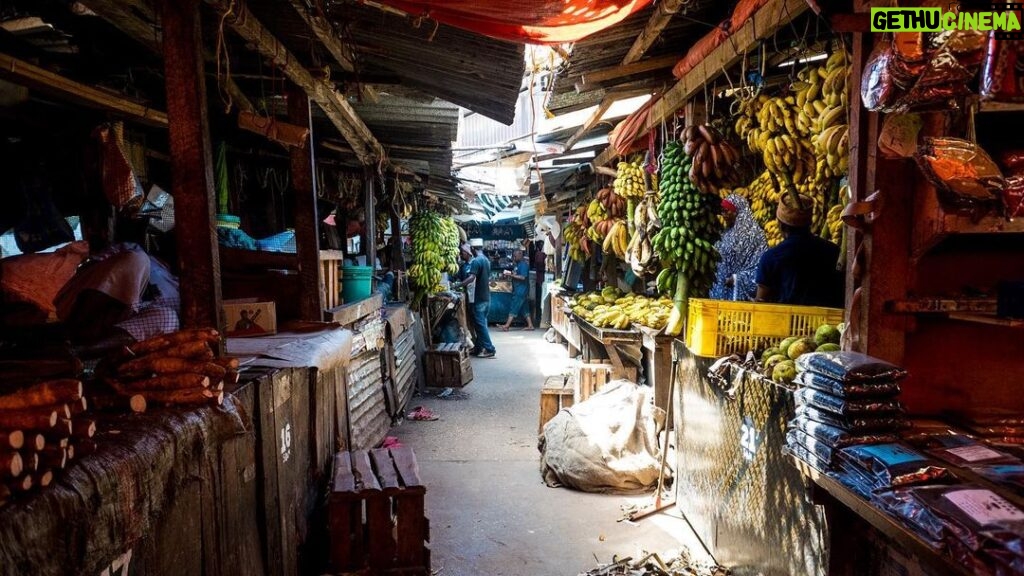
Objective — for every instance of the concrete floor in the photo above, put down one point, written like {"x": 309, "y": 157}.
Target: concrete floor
{"x": 490, "y": 513}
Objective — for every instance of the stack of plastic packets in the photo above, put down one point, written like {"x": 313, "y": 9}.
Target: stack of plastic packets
{"x": 843, "y": 399}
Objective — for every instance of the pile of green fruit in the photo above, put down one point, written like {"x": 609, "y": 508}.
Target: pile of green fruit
{"x": 686, "y": 242}
{"x": 435, "y": 245}
{"x": 779, "y": 362}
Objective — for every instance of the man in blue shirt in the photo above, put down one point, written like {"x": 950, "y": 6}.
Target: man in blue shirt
{"x": 480, "y": 273}
{"x": 801, "y": 270}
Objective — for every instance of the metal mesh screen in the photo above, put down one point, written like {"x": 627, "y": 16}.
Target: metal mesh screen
{"x": 734, "y": 484}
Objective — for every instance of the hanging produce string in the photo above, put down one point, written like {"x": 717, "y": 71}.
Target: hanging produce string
{"x": 533, "y": 123}
{"x": 221, "y": 55}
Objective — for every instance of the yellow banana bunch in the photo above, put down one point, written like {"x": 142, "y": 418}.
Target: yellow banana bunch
{"x": 595, "y": 308}
{"x": 835, "y": 224}
{"x": 616, "y": 240}
{"x": 629, "y": 182}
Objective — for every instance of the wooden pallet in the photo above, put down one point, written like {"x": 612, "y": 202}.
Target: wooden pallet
{"x": 447, "y": 366}
{"x": 376, "y": 513}
{"x": 556, "y": 394}
{"x": 590, "y": 377}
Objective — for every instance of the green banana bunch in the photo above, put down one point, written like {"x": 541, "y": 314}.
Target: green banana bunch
{"x": 435, "y": 244}
{"x": 686, "y": 242}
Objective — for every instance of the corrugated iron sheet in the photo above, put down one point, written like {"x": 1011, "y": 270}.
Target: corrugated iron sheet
{"x": 475, "y": 72}
{"x": 405, "y": 368}
{"x": 367, "y": 410}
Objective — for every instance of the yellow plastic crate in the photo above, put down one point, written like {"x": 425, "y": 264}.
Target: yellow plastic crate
{"x": 719, "y": 327}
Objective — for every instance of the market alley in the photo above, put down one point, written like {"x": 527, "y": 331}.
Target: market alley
{"x": 489, "y": 511}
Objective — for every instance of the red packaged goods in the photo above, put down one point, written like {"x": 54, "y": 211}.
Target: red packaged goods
{"x": 1002, "y": 75}
{"x": 964, "y": 174}
{"x": 1013, "y": 196}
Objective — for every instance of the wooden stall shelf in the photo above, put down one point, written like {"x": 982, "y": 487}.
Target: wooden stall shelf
{"x": 376, "y": 513}
{"x": 589, "y": 379}
{"x": 620, "y": 347}
{"x": 330, "y": 273}
{"x": 556, "y": 394}
{"x": 448, "y": 366}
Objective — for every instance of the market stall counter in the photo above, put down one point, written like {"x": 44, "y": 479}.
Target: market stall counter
{"x": 566, "y": 329}
{"x": 211, "y": 490}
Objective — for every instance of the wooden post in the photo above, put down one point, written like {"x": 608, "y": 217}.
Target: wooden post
{"x": 370, "y": 227}
{"x": 397, "y": 258}
{"x": 191, "y": 165}
{"x": 307, "y": 224}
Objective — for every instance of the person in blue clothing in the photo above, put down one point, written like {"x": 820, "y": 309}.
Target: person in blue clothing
{"x": 801, "y": 270}
{"x": 480, "y": 275}
{"x": 520, "y": 290}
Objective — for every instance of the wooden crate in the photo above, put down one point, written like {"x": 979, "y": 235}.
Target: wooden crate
{"x": 376, "y": 513}
{"x": 556, "y": 394}
{"x": 590, "y": 377}
{"x": 447, "y": 366}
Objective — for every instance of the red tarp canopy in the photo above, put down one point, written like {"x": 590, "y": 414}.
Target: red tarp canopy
{"x": 532, "y": 21}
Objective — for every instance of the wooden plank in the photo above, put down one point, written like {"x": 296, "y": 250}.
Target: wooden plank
{"x": 881, "y": 521}
{"x": 192, "y": 166}
{"x": 344, "y": 480}
{"x": 50, "y": 83}
{"x": 307, "y": 224}
{"x": 326, "y": 34}
{"x": 591, "y": 80}
{"x": 322, "y": 429}
{"x": 334, "y": 105}
{"x": 765, "y": 22}
{"x": 366, "y": 480}
{"x": 267, "y": 449}
{"x": 385, "y": 468}
{"x": 663, "y": 13}
{"x": 408, "y": 469}
{"x": 347, "y": 314}
{"x": 412, "y": 532}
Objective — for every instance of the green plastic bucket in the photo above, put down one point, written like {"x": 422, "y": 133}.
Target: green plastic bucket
{"x": 356, "y": 282}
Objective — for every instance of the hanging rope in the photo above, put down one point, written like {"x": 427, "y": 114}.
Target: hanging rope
{"x": 221, "y": 55}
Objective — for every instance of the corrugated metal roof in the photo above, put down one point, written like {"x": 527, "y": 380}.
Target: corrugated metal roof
{"x": 475, "y": 72}
{"x": 607, "y": 49}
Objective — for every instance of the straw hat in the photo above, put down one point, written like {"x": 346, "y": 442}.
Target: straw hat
{"x": 793, "y": 214}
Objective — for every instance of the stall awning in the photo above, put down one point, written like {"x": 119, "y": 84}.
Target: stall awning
{"x": 533, "y": 21}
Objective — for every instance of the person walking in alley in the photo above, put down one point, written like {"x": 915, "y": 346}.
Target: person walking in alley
{"x": 520, "y": 275}
{"x": 480, "y": 274}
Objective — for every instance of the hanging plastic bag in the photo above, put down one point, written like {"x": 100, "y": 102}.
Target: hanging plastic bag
{"x": 120, "y": 186}
{"x": 898, "y": 137}
{"x": 964, "y": 174}
{"x": 1002, "y": 74}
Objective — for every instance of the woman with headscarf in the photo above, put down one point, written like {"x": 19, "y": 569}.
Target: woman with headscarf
{"x": 741, "y": 247}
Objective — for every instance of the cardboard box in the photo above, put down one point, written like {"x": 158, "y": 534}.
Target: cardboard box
{"x": 250, "y": 317}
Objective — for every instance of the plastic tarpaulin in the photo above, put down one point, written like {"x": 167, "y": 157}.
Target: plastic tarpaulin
{"x": 533, "y": 21}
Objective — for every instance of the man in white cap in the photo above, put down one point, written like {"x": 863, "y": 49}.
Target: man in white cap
{"x": 801, "y": 270}
{"x": 480, "y": 275}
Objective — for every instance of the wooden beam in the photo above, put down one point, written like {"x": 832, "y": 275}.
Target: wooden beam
{"x": 326, "y": 34}
{"x": 137, "y": 19}
{"x": 334, "y": 105}
{"x": 590, "y": 122}
{"x": 36, "y": 78}
{"x": 765, "y": 22}
{"x": 191, "y": 165}
{"x": 663, "y": 13}
{"x": 307, "y": 224}
{"x": 590, "y": 80}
